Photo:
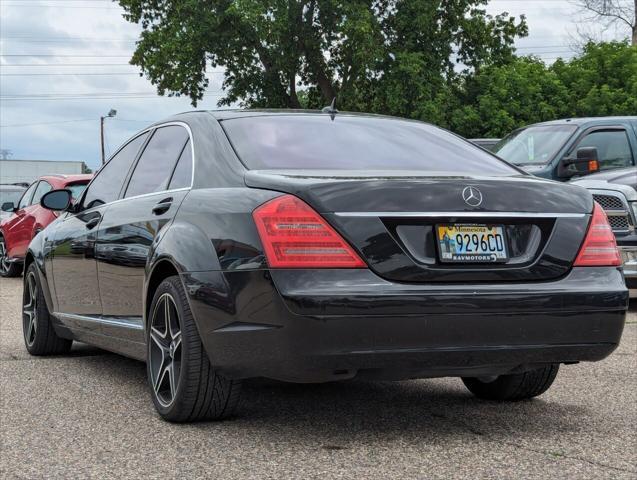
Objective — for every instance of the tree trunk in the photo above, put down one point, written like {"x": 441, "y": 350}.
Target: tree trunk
{"x": 294, "y": 99}
{"x": 635, "y": 26}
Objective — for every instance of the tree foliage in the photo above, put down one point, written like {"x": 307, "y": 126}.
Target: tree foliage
{"x": 443, "y": 61}
{"x": 601, "y": 81}
{"x": 378, "y": 55}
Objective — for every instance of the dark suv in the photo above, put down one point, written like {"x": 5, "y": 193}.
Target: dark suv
{"x": 616, "y": 192}
{"x": 563, "y": 149}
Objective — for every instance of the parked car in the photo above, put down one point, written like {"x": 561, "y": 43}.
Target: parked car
{"x": 563, "y": 149}
{"x": 616, "y": 192}
{"x": 27, "y": 218}
{"x": 313, "y": 247}
{"x": 486, "y": 143}
{"x": 9, "y": 193}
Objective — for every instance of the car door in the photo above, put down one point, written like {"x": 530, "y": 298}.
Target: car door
{"x": 73, "y": 250}
{"x": 612, "y": 144}
{"x": 18, "y": 229}
{"x": 157, "y": 186}
{"x": 41, "y": 216}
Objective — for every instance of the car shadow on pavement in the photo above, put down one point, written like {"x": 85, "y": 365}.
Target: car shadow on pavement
{"x": 397, "y": 407}
{"x": 341, "y": 412}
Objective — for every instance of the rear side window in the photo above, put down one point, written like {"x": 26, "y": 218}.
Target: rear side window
{"x": 107, "y": 184}
{"x": 43, "y": 187}
{"x": 613, "y": 149}
{"x": 182, "y": 176}
{"x": 355, "y": 143}
{"x": 157, "y": 163}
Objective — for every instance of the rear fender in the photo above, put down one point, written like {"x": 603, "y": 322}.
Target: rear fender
{"x": 36, "y": 254}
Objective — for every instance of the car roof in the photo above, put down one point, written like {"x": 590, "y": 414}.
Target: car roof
{"x": 10, "y": 186}
{"x": 584, "y": 121}
{"x": 241, "y": 113}
{"x": 62, "y": 179}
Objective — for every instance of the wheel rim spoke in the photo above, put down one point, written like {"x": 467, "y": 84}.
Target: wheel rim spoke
{"x": 164, "y": 350}
{"x": 173, "y": 383}
{"x": 158, "y": 338}
{"x": 30, "y": 310}
{"x": 4, "y": 263}
{"x": 177, "y": 341}
{"x": 161, "y": 374}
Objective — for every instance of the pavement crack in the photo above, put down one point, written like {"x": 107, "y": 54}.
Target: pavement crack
{"x": 562, "y": 455}
{"x": 550, "y": 454}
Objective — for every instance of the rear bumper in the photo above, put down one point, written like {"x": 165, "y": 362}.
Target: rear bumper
{"x": 322, "y": 325}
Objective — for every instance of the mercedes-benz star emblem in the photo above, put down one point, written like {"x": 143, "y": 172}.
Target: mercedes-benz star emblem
{"x": 472, "y": 196}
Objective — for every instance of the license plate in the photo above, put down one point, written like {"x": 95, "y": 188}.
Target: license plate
{"x": 472, "y": 243}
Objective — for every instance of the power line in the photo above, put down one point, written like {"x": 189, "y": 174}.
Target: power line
{"x": 63, "y": 55}
{"x": 80, "y": 74}
{"x": 48, "y": 123}
{"x": 58, "y": 122}
{"x": 70, "y": 7}
{"x": 100, "y": 97}
{"x": 66, "y": 65}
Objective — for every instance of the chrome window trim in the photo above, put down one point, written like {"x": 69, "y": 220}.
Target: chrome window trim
{"x": 141, "y": 132}
{"x": 461, "y": 214}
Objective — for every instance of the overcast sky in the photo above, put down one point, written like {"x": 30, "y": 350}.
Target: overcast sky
{"x": 47, "y": 112}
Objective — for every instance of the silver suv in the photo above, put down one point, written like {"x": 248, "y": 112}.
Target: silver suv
{"x": 616, "y": 192}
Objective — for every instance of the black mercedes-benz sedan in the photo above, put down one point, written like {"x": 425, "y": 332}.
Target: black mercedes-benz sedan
{"x": 314, "y": 247}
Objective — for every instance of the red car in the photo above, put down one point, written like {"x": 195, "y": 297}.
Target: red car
{"x": 29, "y": 218}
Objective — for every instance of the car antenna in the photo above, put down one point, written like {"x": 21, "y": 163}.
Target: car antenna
{"x": 331, "y": 109}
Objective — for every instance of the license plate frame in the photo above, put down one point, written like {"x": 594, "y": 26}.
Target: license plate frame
{"x": 448, "y": 253}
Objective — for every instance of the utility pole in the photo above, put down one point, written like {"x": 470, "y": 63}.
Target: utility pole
{"x": 111, "y": 113}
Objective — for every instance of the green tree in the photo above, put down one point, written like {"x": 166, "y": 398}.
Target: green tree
{"x": 399, "y": 57}
{"x": 602, "y": 80}
{"x": 496, "y": 99}
{"x": 501, "y": 98}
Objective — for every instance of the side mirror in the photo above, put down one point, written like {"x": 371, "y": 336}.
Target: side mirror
{"x": 585, "y": 162}
{"x": 8, "y": 207}
{"x": 57, "y": 200}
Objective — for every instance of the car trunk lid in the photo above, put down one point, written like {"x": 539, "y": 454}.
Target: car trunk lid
{"x": 392, "y": 219}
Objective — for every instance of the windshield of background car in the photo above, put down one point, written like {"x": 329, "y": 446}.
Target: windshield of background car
{"x": 10, "y": 196}
{"x": 76, "y": 189}
{"x": 533, "y": 145}
{"x": 348, "y": 142}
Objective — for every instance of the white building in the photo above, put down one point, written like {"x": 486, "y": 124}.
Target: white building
{"x": 13, "y": 171}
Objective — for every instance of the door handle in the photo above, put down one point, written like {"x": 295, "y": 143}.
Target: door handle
{"x": 92, "y": 223}
{"x": 163, "y": 206}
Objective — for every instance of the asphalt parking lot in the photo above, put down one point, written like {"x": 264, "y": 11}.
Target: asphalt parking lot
{"x": 88, "y": 414}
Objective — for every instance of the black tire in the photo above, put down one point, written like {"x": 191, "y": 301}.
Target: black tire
{"x": 39, "y": 336}
{"x": 8, "y": 269}
{"x": 519, "y": 386}
{"x": 200, "y": 392}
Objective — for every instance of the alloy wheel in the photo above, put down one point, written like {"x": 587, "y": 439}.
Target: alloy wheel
{"x": 165, "y": 352}
{"x": 4, "y": 259}
{"x": 30, "y": 309}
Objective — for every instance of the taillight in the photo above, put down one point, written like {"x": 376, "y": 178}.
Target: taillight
{"x": 295, "y": 236}
{"x": 599, "y": 248}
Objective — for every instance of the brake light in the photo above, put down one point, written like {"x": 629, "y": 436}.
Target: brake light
{"x": 295, "y": 236}
{"x": 599, "y": 248}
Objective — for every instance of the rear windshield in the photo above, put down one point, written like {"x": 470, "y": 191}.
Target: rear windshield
{"x": 355, "y": 143}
